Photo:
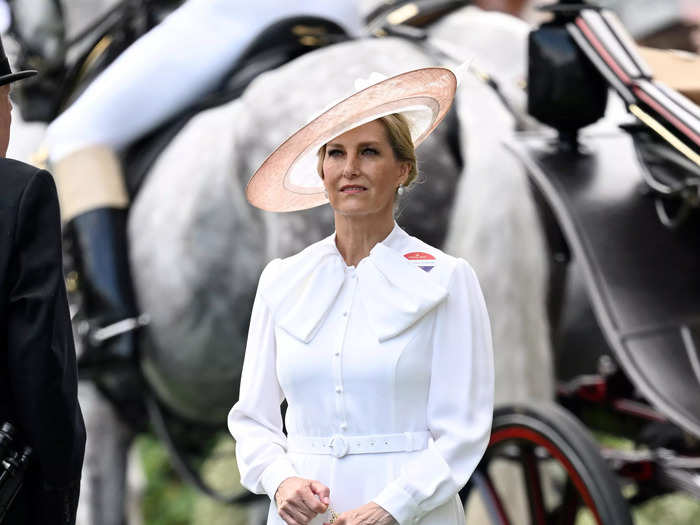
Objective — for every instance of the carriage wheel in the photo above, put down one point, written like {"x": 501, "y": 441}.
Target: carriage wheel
{"x": 543, "y": 467}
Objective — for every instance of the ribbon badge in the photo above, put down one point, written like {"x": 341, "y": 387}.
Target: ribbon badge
{"x": 424, "y": 261}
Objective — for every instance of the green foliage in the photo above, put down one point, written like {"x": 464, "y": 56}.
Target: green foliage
{"x": 672, "y": 509}
{"x": 166, "y": 500}
{"x": 222, "y": 472}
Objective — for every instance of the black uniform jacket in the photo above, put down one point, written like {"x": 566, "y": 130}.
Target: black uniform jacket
{"x": 38, "y": 374}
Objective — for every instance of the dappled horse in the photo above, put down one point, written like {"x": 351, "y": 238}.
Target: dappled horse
{"x": 196, "y": 241}
{"x": 197, "y": 247}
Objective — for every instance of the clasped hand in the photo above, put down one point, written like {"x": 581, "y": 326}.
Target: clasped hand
{"x": 368, "y": 514}
{"x": 300, "y": 500}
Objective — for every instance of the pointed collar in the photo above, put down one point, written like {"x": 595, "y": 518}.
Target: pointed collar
{"x": 394, "y": 292}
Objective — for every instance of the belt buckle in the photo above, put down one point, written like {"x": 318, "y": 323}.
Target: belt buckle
{"x": 338, "y": 445}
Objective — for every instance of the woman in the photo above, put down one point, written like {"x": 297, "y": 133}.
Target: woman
{"x": 379, "y": 342}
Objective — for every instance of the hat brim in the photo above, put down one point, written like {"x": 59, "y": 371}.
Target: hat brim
{"x": 13, "y": 77}
{"x": 275, "y": 187}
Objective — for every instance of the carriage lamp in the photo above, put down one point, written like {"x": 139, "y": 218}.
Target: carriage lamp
{"x": 564, "y": 89}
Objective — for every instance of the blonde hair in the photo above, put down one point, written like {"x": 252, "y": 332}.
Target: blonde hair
{"x": 399, "y": 134}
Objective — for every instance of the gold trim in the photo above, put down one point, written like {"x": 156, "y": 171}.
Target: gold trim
{"x": 664, "y": 133}
{"x": 310, "y": 41}
{"x": 402, "y": 14}
{"x": 94, "y": 55}
{"x": 302, "y": 30}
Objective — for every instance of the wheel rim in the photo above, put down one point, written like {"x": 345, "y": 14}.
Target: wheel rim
{"x": 534, "y": 454}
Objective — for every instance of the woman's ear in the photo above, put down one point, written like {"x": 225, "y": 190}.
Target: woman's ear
{"x": 405, "y": 172}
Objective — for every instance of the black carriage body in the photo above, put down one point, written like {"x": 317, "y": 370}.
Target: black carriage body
{"x": 641, "y": 278}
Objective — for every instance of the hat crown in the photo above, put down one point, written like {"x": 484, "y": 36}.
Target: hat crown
{"x": 6, "y": 74}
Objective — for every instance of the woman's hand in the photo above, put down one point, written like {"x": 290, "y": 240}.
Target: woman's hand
{"x": 299, "y": 500}
{"x": 368, "y": 514}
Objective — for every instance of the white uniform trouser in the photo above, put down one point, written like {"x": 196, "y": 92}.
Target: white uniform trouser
{"x": 173, "y": 64}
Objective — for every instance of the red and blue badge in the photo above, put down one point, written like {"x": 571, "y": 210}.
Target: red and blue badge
{"x": 424, "y": 261}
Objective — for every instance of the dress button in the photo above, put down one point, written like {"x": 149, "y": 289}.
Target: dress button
{"x": 345, "y": 314}
{"x": 338, "y": 390}
{"x": 336, "y": 353}
{"x": 344, "y": 426}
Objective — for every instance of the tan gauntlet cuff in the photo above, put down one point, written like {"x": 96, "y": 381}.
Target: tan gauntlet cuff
{"x": 87, "y": 179}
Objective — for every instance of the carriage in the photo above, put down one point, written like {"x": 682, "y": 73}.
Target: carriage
{"x": 615, "y": 201}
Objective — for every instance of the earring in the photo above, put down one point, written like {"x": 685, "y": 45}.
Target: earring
{"x": 400, "y": 190}
{"x": 325, "y": 193}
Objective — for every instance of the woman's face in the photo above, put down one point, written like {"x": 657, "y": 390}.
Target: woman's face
{"x": 361, "y": 172}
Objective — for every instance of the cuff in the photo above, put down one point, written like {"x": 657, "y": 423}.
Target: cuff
{"x": 275, "y": 473}
{"x": 399, "y": 504}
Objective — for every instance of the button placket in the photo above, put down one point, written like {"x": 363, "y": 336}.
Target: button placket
{"x": 337, "y": 360}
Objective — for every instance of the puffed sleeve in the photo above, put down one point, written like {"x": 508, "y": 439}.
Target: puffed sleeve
{"x": 460, "y": 404}
{"x": 255, "y": 421}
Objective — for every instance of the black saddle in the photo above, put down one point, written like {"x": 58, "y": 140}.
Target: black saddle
{"x": 276, "y": 45}
{"x": 642, "y": 278}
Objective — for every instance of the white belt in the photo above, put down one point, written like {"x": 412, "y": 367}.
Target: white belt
{"x": 340, "y": 446}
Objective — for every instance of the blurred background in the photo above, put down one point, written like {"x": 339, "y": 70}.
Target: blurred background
{"x": 134, "y": 470}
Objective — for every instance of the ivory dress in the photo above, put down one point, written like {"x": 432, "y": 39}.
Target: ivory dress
{"x": 387, "y": 369}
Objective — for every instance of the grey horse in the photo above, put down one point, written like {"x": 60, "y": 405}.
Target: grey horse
{"x": 197, "y": 247}
{"x": 196, "y": 241}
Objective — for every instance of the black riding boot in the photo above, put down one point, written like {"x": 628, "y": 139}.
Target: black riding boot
{"x": 97, "y": 251}
{"x": 96, "y": 243}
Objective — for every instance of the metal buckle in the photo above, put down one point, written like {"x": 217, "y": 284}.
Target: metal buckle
{"x": 97, "y": 336}
{"x": 338, "y": 445}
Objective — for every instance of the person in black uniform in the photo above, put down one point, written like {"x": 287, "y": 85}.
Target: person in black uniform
{"x": 38, "y": 373}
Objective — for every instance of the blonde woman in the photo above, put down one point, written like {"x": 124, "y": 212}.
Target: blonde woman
{"x": 379, "y": 343}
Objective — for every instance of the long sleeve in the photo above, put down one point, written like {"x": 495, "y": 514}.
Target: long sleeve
{"x": 41, "y": 355}
{"x": 460, "y": 404}
{"x": 255, "y": 421}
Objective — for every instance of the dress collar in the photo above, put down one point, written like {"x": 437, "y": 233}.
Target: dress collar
{"x": 396, "y": 235}
{"x": 394, "y": 292}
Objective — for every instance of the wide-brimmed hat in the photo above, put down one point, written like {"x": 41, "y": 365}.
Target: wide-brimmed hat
{"x": 6, "y": 74}
{"x": 288, "y": 181}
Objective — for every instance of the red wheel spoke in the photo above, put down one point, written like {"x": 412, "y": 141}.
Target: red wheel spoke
{"x": 559, "y": 463}
{"x": 568, "y": 510}
{"x": 492, "y": 500}
{"x": 533, "y": 485}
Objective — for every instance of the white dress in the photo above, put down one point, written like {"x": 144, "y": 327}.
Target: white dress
{"x": 397, "y": 347}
